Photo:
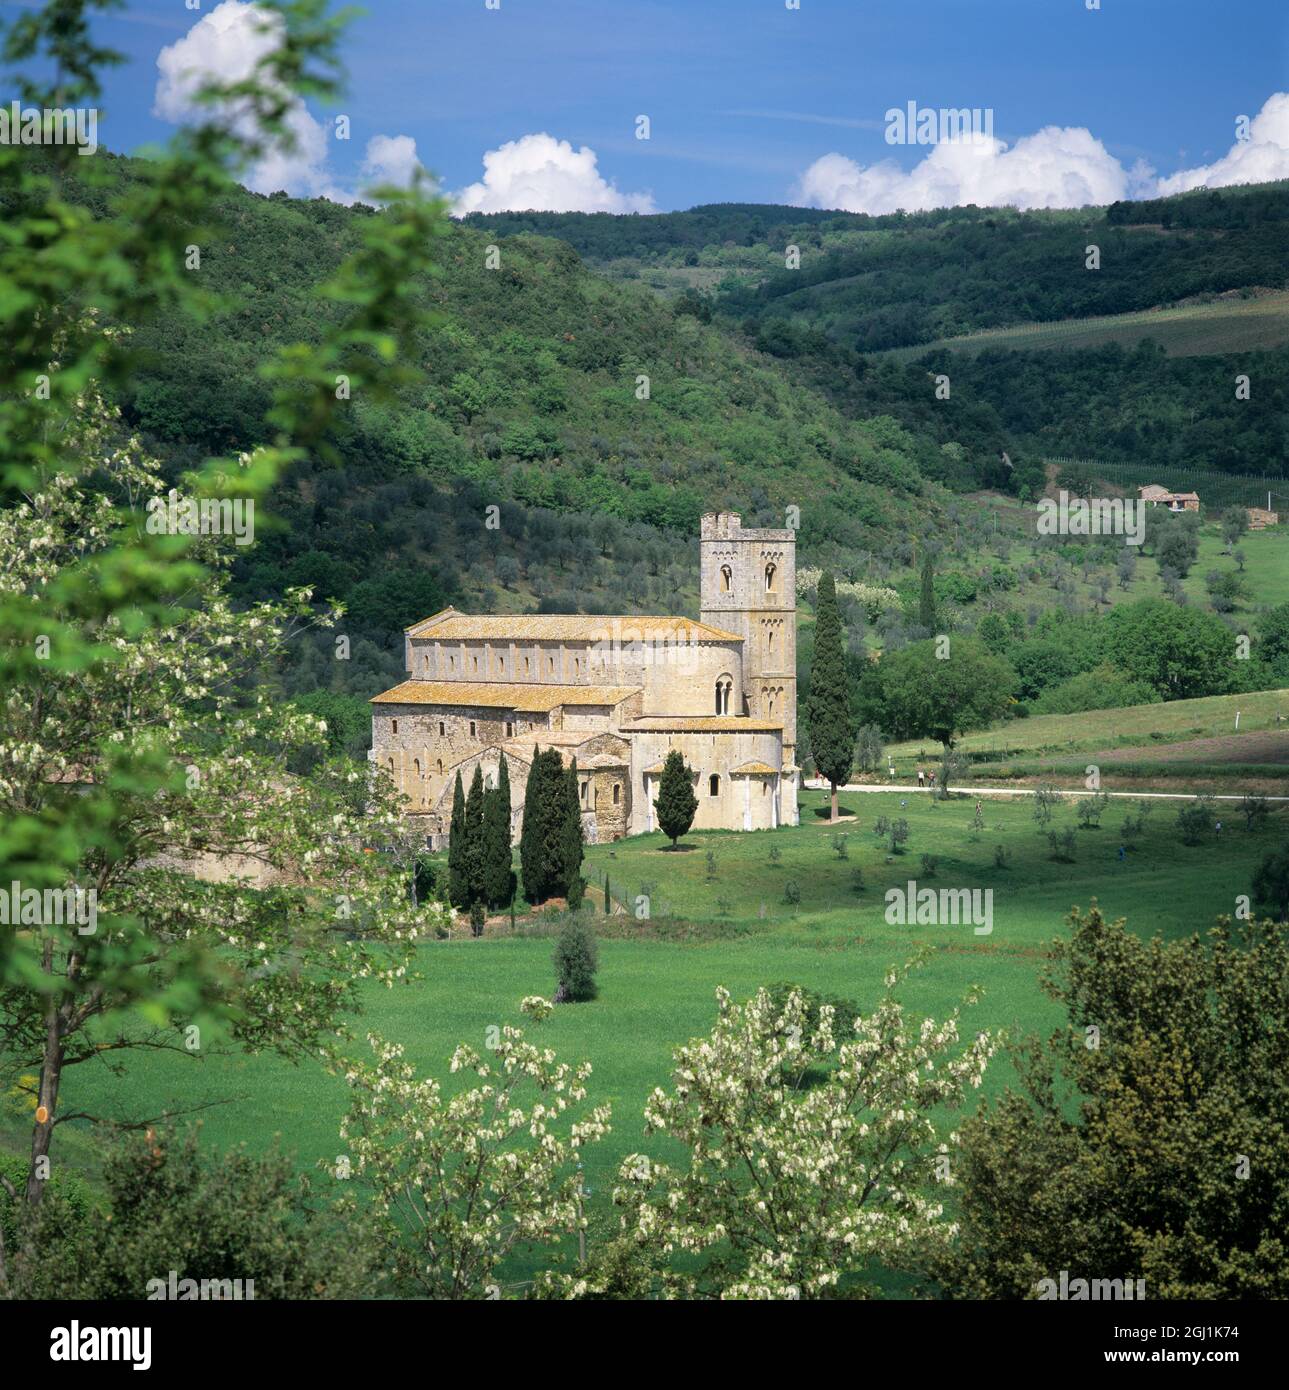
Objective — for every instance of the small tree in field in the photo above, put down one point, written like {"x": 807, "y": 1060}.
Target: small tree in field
{"x": 829, "y": 729}
{"x": 576, "y": 961}
{"x": 1271, "y": 886}
{"x": 1046, "y": 799}
{"x": 676, "y": 804}
{"x": 785, "y": 1189}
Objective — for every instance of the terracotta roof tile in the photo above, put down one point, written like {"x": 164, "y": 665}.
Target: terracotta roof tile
{"x": 529, "y": 698}
{"x": 565, "y": 627}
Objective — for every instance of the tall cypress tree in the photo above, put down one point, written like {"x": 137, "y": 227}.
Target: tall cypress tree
{"x": 497, "y": 876}
{"x": 541, "y": 844}
{"x": 474, "y": 837}
{"x": 529, "y": 851}
{"x": 926, "y": 600}
{"x": 458, "y": 882}
{"x": 570, "y": 869}
{"x": 676, "y": 801}
{"x": 828, "y": 719}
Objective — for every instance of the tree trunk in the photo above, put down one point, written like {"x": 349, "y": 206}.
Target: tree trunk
{"x": 51, "y": 1071}
{"x": 833, "y": 816}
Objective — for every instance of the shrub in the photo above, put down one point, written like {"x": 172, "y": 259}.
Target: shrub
{"x": 1195, "y": 821}
{"x": 576, "y": 961}
{"x": 791, "y": 892}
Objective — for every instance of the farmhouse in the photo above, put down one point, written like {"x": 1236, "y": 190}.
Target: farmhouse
{"x": 1157, "y": 496}
{"x": 617, "y": 694}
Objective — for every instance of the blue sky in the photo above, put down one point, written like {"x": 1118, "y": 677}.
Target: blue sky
{"x": 744, "y": 95}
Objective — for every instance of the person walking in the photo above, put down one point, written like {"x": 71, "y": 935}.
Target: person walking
{"x": 921, "y": 776}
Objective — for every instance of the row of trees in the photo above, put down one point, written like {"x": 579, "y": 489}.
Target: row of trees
{"x": 479, "y": 871}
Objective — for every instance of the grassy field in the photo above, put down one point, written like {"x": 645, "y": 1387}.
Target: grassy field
{"x": 723, "y": 923}
{"x": 1137, "y": 726}
{"x": 1227, "y": 325}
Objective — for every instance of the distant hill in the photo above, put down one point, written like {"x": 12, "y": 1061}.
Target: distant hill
{"x": 879, "y": 304}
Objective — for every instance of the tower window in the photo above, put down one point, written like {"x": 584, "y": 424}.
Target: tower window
{"x": 714, "y": 784}
{"x": 770, "y": 573}
{"x": 727, "y": 579}
{"x": 440, "y": 767}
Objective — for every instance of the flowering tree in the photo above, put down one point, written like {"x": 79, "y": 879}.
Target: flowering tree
{"x": 462, "y": 1180}
{"x": 136, "y": 733}
{"x": 808, "y": 1155}
{"x": 160, "y": 746}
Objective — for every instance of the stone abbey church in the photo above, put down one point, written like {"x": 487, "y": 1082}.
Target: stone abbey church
{"x": 617, "y": 694}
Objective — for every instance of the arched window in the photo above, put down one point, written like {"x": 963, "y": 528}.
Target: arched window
{"x": 727, "y": 579}
{"x": 714, "y": 784}
{"x": 769, "y": 703}
{"x": 416, "y": 764}
{"x": 724, "y": 691}
{"x": 584, "y": 787}
{"x": 394, "y": 725}
{"x": 769, "y": 578}
{"x": 550, "y": 665}
{"x": 391, "y": 764}
{"x": 472, "y": 728}
{"x": 475, "y": 667}
{"x": 440, "y": 767}
{"x": 769, "y": 640}
{"x": 617, "y": 792}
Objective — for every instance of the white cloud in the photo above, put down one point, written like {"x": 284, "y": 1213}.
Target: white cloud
{"x": 225, "y": 46}
{"x": 538, "y": 173}
{"x": 391, "y": 159}
{"x": 1058, "y": 167}
{"x": 1262, "y": 157}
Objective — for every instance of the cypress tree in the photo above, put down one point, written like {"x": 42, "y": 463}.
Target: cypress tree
{"x": 529, "y": 854}
{"x": 828, "y": 720}
{"x": 541, "y": 843}
{"x": 676, "y": 801}
{"x": 497, "y": 873}
{"x": 474, "y": 837}
{"x": 608, "y": 901}
{"x": 926, "y": 600}
{"x": 458, "y": 884}
{"x": 570, "y": 869}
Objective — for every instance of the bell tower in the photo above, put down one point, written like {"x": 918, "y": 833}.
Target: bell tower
{"x": 749, "y": 587}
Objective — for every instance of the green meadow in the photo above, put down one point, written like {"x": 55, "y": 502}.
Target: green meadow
{"x": 724, "y": 921}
